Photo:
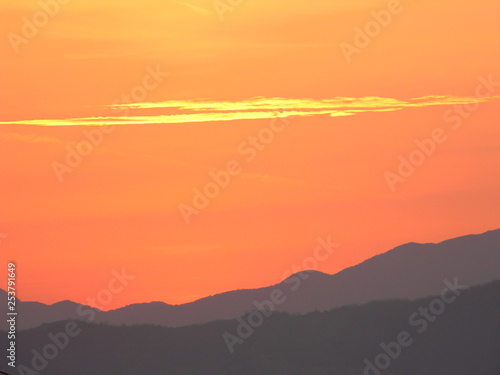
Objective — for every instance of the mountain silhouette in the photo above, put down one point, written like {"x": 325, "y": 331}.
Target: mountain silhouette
{"x": 463, "y": 339}
{"x": 409, "y": 271}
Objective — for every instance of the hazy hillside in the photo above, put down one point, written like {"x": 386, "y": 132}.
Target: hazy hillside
{"x": 463, "y": 340}
{"x": 408, "y": 271}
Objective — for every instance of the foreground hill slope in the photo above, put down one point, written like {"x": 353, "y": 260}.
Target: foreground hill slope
{"x": 461, "y": 340}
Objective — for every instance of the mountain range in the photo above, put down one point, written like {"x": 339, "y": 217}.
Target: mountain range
{"x": 460, "y": 339}
{"x": 409, "y": 271}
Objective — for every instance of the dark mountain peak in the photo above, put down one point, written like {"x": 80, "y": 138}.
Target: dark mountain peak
{"x": 490, "y": 237}
{"x": 145, "y": 306}
{"x": 309, "y": 275}
{"x": 65, "y": 303}
{"x": 414, "y": 250}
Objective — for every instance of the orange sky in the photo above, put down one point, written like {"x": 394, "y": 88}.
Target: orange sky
{"x": 222, "y": 81}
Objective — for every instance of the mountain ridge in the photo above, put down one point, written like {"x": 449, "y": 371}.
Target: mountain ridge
{"x": 411, "y": 270}
{"x": 462, "y": 340}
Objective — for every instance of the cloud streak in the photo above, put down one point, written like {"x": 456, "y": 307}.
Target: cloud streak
{"x": 199, "y": 111}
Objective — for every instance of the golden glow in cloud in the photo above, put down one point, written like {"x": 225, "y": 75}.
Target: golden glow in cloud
{"x": 255, "y": 108}
{"x": 284, "y": 103}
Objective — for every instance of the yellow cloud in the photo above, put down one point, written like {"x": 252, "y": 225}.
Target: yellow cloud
{"x": 255, "y": 108}
{"x": 276, "y": 104}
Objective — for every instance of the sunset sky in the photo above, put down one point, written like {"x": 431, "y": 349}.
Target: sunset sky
{"x": 187, "y": 86}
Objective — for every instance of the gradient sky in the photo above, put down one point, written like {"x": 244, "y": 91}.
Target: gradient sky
{"x": 346, "y": 125}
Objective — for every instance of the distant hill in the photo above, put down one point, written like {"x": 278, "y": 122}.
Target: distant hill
{"x": 409, "y": 271}
{"x": 462, "y": 340}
